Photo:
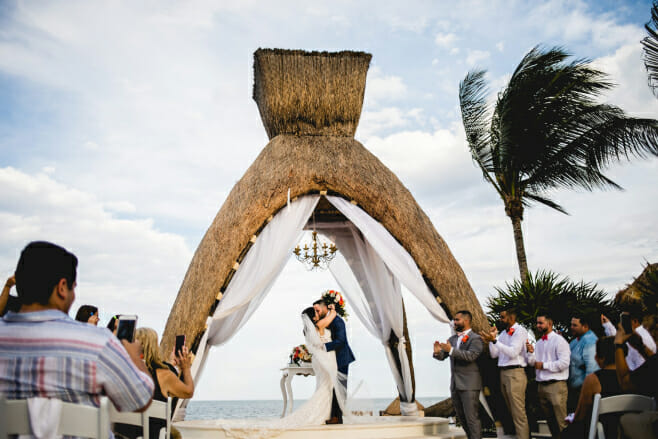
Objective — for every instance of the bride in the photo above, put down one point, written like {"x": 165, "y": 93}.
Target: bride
{"x": 318, "y": 408}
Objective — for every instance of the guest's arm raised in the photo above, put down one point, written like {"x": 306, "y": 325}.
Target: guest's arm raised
{"x": 171, "y": 385}
{"x": 4, "y": 296}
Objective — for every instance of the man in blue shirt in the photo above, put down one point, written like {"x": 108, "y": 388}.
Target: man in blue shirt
{"x": 583, "y": 350}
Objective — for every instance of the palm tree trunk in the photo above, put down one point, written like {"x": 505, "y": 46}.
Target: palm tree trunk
{"x": 520, "y": 249}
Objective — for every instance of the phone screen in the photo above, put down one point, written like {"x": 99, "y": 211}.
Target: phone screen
{"x": 126, "y": 329}
{"x": 180, "y": 342}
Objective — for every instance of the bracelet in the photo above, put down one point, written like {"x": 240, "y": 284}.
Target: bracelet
{"x": 619, "y": 346}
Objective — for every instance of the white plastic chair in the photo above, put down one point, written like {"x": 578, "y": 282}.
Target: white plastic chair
{"x": 157, "y": 409}
{"x": 616, "y": 404}
{"x": 75, "y": 420}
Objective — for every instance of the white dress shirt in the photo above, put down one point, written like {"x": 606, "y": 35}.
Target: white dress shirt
{"x": 555, "y": 355}
{"x": 633, "y": 358}
{"x": 459, "y": 340}
{"x": 510, "y": 349}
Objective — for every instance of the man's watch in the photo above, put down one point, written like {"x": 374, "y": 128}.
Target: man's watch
{"x": 619, "y": 345}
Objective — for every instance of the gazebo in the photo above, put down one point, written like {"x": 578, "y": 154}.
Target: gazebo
{"x": 310, "y": 104}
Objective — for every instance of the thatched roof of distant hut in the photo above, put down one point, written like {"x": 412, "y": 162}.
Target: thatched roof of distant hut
{"x": 635, "y": 292}
{"x": 310, "y": 105}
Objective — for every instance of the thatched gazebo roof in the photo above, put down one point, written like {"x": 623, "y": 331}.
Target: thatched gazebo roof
{"x": 310, "y": 103}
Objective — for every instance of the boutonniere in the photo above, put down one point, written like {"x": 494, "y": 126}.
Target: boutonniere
{"x": 465, "y": 339}
{"x": 510, "y": 331}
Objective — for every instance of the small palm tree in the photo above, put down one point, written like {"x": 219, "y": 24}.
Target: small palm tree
{"x": 548, "y": 292}
{"x": 650, "y": 44}
{"x": 548, "y": 130}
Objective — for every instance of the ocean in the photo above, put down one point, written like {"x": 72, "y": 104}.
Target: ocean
{"x": 200, "y": 410}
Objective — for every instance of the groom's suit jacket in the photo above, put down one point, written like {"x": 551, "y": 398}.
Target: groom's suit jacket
{"x": 465, "y": 371}
{"x": 338, "y": 343}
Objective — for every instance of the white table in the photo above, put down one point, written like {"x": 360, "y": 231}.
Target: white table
{"x": 289, "y": 372}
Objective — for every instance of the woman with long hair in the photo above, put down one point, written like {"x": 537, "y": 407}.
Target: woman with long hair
{"x": 167, "y": 380}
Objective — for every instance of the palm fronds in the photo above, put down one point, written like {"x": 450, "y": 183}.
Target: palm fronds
{"x": 650, "y": 44}
{"x": 548, "y": 292}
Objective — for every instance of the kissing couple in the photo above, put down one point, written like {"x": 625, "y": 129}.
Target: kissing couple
{"x": 326, "y": 340}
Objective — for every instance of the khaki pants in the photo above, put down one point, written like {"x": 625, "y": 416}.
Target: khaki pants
{"x": 513, "y": 383}
{"x": 553, "y": 403}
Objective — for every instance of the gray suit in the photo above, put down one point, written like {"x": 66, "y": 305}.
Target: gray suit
{"x": 465, "y": 381}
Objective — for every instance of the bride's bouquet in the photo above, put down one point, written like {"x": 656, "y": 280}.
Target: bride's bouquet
{"x": 300, "y": 354}
{"x": 331, "y": 296}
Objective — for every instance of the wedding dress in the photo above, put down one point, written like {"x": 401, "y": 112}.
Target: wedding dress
{"x": 317, "y": 409}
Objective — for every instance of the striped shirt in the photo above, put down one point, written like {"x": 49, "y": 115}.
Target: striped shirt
{"x": 48, "y": 354}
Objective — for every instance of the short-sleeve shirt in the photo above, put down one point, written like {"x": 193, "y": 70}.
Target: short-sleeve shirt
{"x": 48, "y": 354}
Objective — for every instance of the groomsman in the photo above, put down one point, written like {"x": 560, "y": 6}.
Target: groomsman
{"x": 463, "y": 349}
{"x": 550, "y": 357}
{"x": 509, "y": 348}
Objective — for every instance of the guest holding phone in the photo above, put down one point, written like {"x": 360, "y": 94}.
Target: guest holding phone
{"x": 166, "y": 378}
{"x": 87, "y": 314}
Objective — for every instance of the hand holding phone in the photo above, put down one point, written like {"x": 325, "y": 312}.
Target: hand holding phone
{"x": 180, "y": 342}
{"x": 126, "y": 328}
{"x": 625, "y": 320}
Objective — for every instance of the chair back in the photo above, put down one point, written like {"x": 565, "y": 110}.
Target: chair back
{"x": 75, "y": 420}
{"x": 616, "y": 404}
{"x": 157, "y": 409}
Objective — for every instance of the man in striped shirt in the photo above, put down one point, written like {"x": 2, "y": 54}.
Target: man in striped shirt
{"x": 45, "y": 353}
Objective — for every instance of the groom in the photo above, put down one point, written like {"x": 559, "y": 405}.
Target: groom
{"x": 344, "y": 355}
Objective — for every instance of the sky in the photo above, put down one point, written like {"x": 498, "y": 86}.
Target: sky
{"x": 124, "y": 125}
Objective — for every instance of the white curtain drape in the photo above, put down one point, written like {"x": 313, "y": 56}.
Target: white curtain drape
{"x": 381, "y": 311}
{"x": 259, "y": 269}
{"x": 396, "y": 258}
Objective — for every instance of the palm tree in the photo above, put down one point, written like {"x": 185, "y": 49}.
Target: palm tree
{"x": 548, "y": 130}
{"x": 650, "y": 44}
{"x": 547, "y": 292}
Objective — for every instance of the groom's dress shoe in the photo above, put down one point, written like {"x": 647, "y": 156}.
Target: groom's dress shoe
{"x": 333, "y": 420}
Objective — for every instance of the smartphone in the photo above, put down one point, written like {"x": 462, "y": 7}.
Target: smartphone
{"x": 625, "y": 320}
{"x": 127, "y": 325}
{"x": 180, "y": 342}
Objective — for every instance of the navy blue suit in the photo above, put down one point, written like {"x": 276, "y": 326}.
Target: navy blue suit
{"x": 344, "y": 357}
{"x": 338, "y": 343}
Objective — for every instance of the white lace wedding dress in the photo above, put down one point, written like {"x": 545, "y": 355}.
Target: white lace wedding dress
{"x": 316, "y": 410}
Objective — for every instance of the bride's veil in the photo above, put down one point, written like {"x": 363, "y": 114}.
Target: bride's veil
{"x": 326, "y": 361}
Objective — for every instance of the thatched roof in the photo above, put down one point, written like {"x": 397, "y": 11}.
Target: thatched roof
{"x": 307, "y": 164}
{"x": 310, "y": 93}
{"x": 633, "y": 294}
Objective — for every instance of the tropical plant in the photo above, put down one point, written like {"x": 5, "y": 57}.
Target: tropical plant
{"x": 650, "y": 44}
{"x": 548, "y": 130}
{"x": 548, "y": 292}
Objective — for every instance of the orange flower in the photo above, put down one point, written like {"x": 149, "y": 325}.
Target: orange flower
{"x": 465, "y": 339}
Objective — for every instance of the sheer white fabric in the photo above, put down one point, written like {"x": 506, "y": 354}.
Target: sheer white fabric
{"x": 259, "y": 269}
{"x": 396, "y": 258}
{"x": 381, "y": 312}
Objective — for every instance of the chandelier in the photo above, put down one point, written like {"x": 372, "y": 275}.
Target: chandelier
{"x": 316, "y": 255}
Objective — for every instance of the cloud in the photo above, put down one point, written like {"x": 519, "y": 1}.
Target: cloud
{"x": 445, "y": 39}
{"x": 381, "y": 88}
{"x": 475, "y": 56}
{"x": 626, "y": 69}
{"x": 126, "y": 265}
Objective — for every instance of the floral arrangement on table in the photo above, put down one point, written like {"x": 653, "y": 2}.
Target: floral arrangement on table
{"x": 331, "y": 296}
{"x": 300, "y": 354}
